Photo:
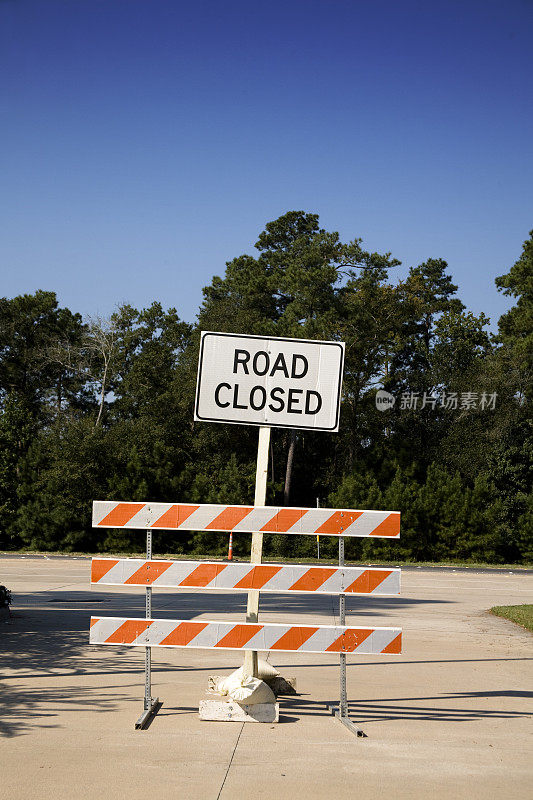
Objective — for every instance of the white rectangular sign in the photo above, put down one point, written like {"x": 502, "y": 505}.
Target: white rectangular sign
{"x": 262, "y": 380}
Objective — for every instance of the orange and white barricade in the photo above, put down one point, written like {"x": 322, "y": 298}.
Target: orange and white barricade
{"x": 244, "y": 636}
{"x": 235, "y": 576}
{"x": 243, "y": 577}
{"x": 265, "y": 519}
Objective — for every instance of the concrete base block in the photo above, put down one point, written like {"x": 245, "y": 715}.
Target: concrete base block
{"x": 223, "y": 711}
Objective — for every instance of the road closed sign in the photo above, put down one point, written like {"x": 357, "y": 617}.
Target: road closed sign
{"x": 261, "y": 380}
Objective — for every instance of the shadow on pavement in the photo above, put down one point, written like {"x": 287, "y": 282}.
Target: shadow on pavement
{"x": 47, "y": 630}
{"x": 409, "y": 708}
{"x": 38, "y": 707}
{"x": 400, "y": 661}
{"x": 48, "y": 644}
{"x": 190, "y": 604}
{"x": 47, "y": 638}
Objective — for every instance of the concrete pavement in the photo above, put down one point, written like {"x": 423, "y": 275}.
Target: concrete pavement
{"x": 451, "y": 716}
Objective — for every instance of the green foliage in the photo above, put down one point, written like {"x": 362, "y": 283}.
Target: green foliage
{"x": 516, "y": 326}
{"x": 442, "y": 518}
{"x": 103, "y": 409}
{"x": 36, "y": 342}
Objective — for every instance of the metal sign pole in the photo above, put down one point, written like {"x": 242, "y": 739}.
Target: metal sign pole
{"x": 343, "y": 706}
{"x": 341, "y": 711}
{"x": 256, "y": 554}
{"x": 148, "y": 650}
{"x": 317, "y": 536}
{"x": 151, "y": 705}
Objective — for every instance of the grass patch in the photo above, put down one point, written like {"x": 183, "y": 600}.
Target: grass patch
{"x": 522, "y": 615}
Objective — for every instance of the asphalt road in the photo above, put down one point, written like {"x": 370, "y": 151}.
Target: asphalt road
{"x": 450, "y": 717}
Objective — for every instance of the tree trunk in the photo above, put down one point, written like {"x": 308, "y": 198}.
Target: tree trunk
{"x": 102, "y": 397}
{"x": 288, "y": 471}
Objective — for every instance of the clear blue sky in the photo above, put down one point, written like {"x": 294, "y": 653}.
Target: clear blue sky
{"x": 145, "y": 143}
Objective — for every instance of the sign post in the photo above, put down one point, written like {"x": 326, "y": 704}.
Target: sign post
{"x": 269, "y": 382}
{"x": 256, "y": 553}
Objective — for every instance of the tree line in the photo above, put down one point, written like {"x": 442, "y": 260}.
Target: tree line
{"x": 103, "y": 408}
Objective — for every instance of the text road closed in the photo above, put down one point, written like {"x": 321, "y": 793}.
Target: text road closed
{"x": 258, "y": 380}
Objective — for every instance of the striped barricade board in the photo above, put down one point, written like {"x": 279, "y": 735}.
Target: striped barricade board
{"x": 244, "y": 636}
{"x": 268, "y": 519}
{"x": 244, "y": 577}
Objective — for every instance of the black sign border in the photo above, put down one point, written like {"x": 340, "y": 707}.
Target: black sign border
{"x": 198, "y": 418}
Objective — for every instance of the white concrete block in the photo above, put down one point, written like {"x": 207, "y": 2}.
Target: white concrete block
{"x": 224, "y": 711}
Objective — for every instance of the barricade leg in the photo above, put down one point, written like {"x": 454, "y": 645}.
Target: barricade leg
{"x": 151, "y": 705}
{"x": 341, "y": 711}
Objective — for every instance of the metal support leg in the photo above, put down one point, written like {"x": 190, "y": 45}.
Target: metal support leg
{"x": 341, "y": 711}
{"x": 343, "y": 704}
{"x": 151, "y": 705}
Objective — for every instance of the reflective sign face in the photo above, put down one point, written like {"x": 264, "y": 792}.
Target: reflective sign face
{"x": 260, "y": 380}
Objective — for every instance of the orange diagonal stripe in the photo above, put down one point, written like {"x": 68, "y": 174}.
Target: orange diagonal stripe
{"x": 184, "y": 633}
{"x": 395, "y": 646}
{"x": 312, "y": 579}
{"x": 129, "y": 631}
{"x": 174, "y": 516}
{"x": 257, "y": 577}
{"x": 149, "y": 571}
{"x": 184, "y": 512}
{"x": 349, "y": 641}
{"x": 167, "y": 520}
{"x": 239, "y": 635}
{"x": 228, "y": 518}
{"x": 294, "y": 638}
{"x": 100, "y": 567}
{"x": 202, "y": 575}
{"x": 284, "y": 519}
{"x": 338, "y": 522}
{"x": 94, "y": 620}
{"x": 121, "y": 514}
{"x": 389, "y": 527}
{"x": 368, "y": 581}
